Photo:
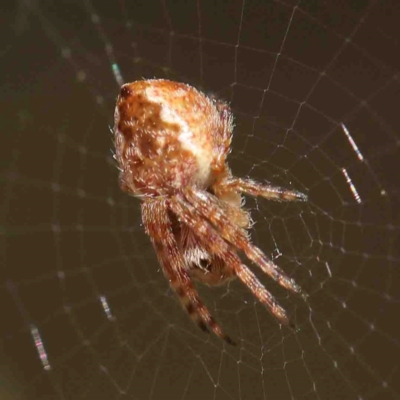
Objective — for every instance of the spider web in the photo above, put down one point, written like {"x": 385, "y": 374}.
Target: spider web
{"x": 314, "y": 87}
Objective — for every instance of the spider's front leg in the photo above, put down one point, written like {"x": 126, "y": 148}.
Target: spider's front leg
{"x": 209, "y": 208}
{"x": 253, "y": 188}
{"x": 216, "y": 245}
{"x": 159, "y": 227}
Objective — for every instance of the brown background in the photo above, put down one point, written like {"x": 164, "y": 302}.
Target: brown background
{"x": 69, "y": 236}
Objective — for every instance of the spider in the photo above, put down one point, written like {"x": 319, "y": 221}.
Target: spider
{"x": 171, "y": 146}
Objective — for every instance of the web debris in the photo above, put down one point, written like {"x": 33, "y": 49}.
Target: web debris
{"x": 40, "y": 348}
{"x": 352, "y": 187}
{"x": 352, "y": 142}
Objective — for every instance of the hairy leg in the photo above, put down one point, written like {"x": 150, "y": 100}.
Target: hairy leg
{"x": 159, "y": 227}
{"x": 207, "y": 205}
{"x": 189, "y": 215}
{"x": 255, "y": 189}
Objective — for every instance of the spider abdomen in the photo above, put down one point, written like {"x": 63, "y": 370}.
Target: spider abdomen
{"x": 165, "y": 137}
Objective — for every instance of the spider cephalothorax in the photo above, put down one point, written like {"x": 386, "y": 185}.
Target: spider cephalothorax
{"x": 171, "y": 145}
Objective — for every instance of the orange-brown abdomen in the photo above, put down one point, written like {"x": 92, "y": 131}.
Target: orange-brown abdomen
{"x": 165, "y": 137}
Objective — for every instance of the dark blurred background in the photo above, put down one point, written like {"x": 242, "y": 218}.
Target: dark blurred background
{"x": 86, "y": 311}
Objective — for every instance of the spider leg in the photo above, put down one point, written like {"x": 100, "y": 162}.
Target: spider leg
{"x": 215, "y": 244}
{"x": 255, "y": 189}
{"x": 158, "y": 226}
{"x": 207, "y": 205}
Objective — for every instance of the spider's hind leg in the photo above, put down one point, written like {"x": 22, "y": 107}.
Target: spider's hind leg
{"x": 162, "y": 233}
